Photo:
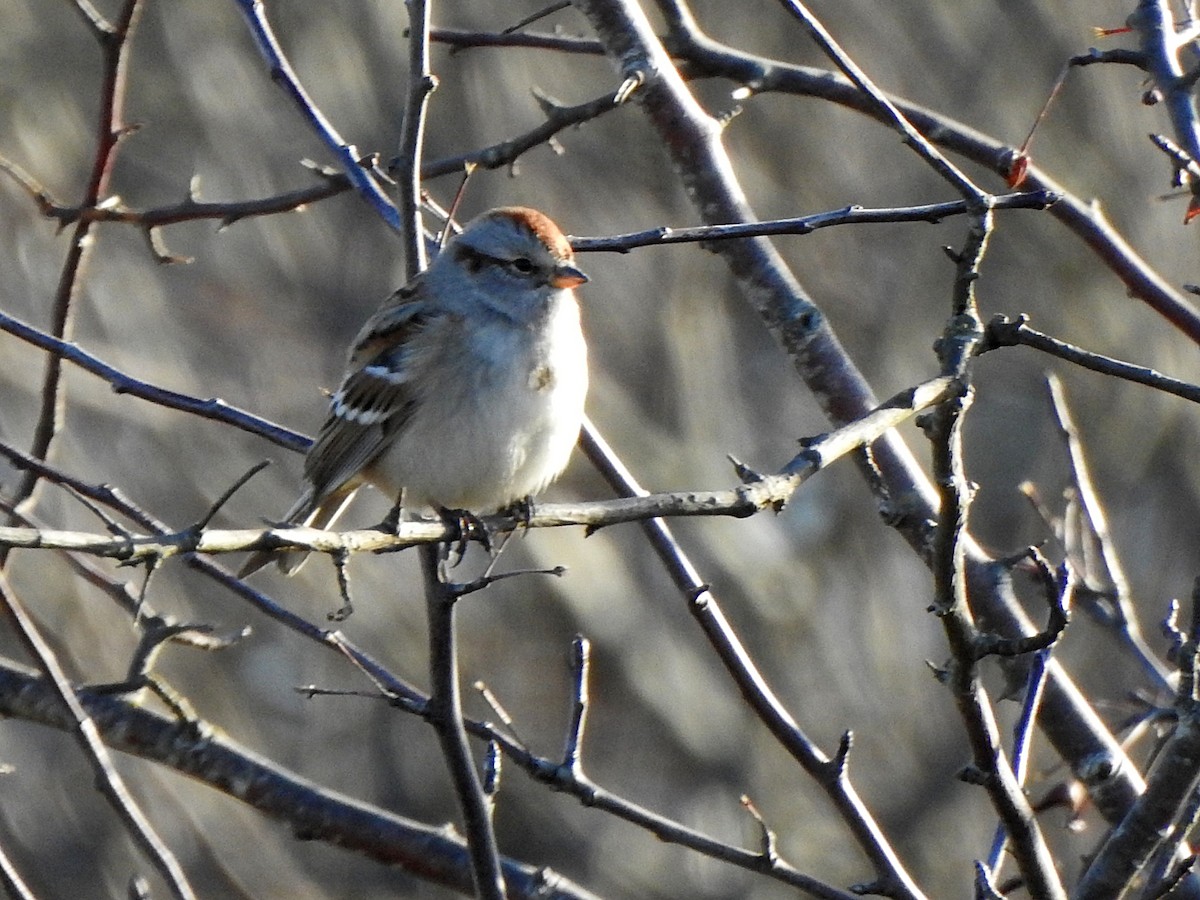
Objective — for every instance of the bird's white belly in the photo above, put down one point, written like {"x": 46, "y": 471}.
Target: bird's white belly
{"x": 493, "y": 431}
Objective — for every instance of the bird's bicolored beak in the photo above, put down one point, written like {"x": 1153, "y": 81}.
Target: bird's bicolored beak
{"x": 567, "y": 276}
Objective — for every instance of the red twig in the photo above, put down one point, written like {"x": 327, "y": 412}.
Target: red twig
{"x": 114, "y": 39}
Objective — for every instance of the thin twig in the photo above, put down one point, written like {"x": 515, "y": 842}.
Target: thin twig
{"x": 1170, "y": 785}
{"x": 905, "y": 493}
{"x": 706, "y": 57}
{"x": 802, "y": 225}
{"x": 115, "y": 40}
{"x": 1057, "y": 593}
{"x": 410, "y": 699}
{"x": 1005, "y": 332}
{"x": 990, "y": 767}
{"x": 207, "y": 754}
{"x": 699, "y": 56}
{"x": 888, "y": 110}
{"x": 444, "y": 712}
{"x": 11, "y": 881}
{"x": 1164, "y": 45}
{"x": 459, "y": 38}
{"x": 558, "y": 118}
{"x": 581, "y": 649}
{"x": 108, "y": 780}
{"x": 537, "y": 16}
{"x": 1102, "y": 571}
{"x": 212, "y": 408}
{"x": 283, "y": 75}
{"x": 757, "y": 494}
{"x": 892, "y": 879}
{"x": 421, "y": 84}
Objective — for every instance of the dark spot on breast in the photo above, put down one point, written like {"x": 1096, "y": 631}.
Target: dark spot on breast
{"x": 541, "y": 378}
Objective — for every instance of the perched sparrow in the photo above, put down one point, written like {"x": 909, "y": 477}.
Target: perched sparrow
{"x": 465, "y": 389}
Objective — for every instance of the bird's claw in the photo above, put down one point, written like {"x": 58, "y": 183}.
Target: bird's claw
{"x": 468, "y": 527}
{"x": 521, "y": 509}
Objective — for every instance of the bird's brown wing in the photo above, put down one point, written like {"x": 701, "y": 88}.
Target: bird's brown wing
{"x": 375, "y": 397}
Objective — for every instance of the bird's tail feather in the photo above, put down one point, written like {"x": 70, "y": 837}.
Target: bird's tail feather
{"x": 304, "y": 512}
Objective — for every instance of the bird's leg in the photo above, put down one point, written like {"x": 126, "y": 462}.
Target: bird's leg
{"x": 391, "y": 522}
{"x": 468, "y": 526}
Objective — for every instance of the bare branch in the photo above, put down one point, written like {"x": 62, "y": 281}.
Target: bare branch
{"x": 1100, "y": 572}
{"x": 444, "y": 712}
{"x": 421, "y": 84}
{"x": 801, "y": 225}
{"x": 888, "y": 110}
{"x": 108, "y": 780}
{"x": 1005, "y": 332}
{"x": 213, "y": 408}
{"x": 283, "y": 75}
{"x": 1084, "y": 218}
{"x": 1154, "y": 821}
{"x": 1163, "y": 45}
{"x": 990, "y": 767}
{"x": 763, "y": 493}
{"x": 114, "y": 40}
{"x": 429, "y": 852}
{"x": 703, "y": 606}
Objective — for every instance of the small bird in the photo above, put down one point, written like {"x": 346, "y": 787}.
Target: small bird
{"x": 465, "y": 390}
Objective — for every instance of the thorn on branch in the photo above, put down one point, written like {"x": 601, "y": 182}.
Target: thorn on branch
{"x": 767, "y": 839}
{"x": 1185, "y": 168}
{"x": 500, "y": 712}
{"x": 158, "y": 248}
{"x": 743, "y": 471}
{"x": 985, "y": 888}
{"x": 550, "y": 105}
{"x": 941, "y": 673}
{"x": 972, "y": 774}
{"x": 628, "y": 87}
{"x": 842, "y": 757}
{"x": 1178, "y": 871}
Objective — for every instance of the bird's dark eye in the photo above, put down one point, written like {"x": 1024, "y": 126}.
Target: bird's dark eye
{"x": 523, "y": 264}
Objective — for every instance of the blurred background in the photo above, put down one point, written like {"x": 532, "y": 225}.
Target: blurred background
{"x": 829, "y": 600}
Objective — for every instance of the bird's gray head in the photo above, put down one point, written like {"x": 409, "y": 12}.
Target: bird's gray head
{"x": 517, "y": 247}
